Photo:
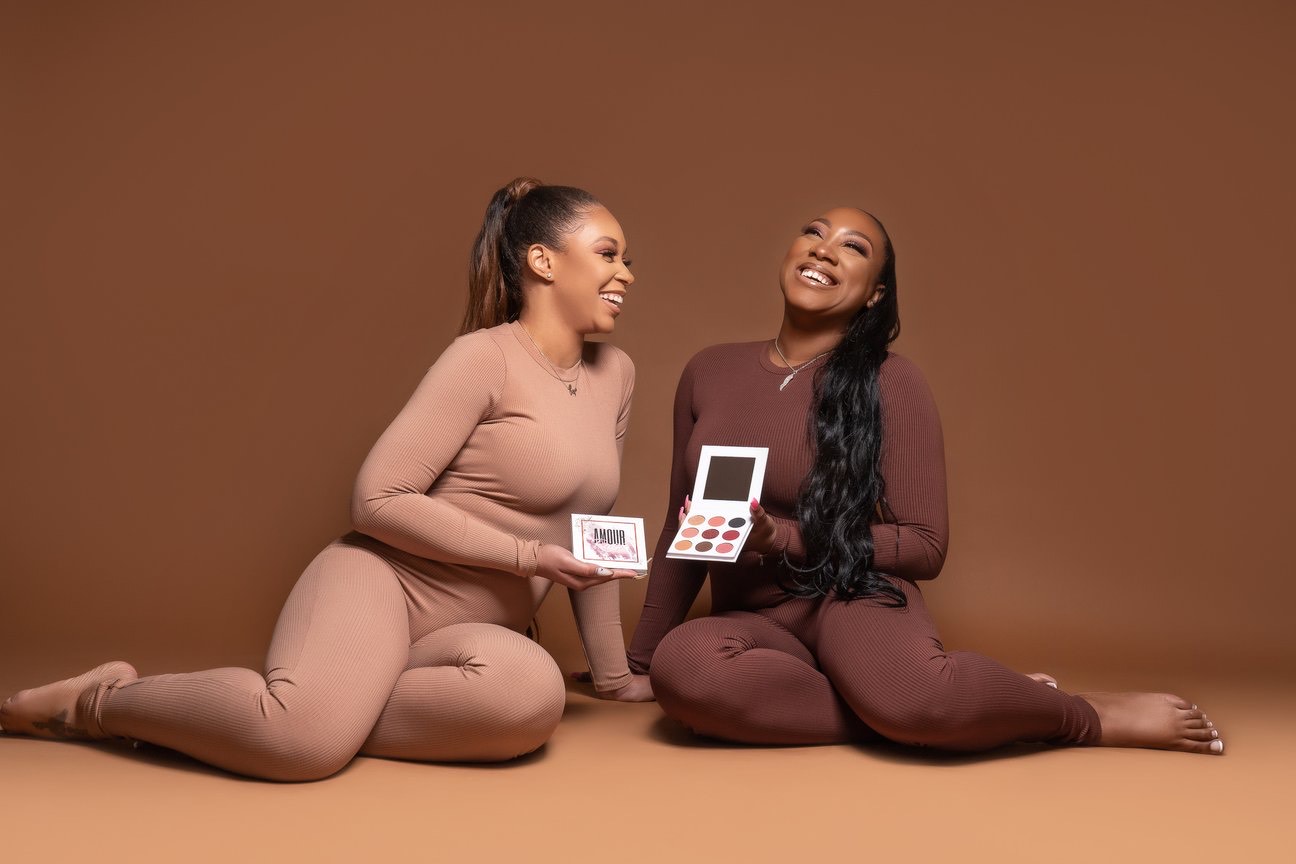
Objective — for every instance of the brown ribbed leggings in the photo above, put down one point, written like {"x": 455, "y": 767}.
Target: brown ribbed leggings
{"x": 826, "y": 671}
{"x": 342, "y": 678}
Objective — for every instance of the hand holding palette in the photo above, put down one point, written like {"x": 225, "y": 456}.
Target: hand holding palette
{"x": 610, "y": 541}
{"x": 719, "y": 519}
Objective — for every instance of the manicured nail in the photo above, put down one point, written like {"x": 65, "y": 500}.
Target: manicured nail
{"x": 1194, "y": 708}
{"x": 603, "y": 571}
{"x": 1052, "y": 684}
{"x": 1217, "y": 746}
{"x": 681, "y": 512}
{"x": 1214, "y": 733}
{"x": 754, "y": 503}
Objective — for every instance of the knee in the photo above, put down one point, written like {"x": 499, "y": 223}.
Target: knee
{"x": 689, "y": 673}
{"x": 524, "y": 701}
{"x": 923, "y": 717}
{"x": 301, "y": 755}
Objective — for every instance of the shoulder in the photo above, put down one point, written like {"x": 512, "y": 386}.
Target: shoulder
{"x": 902, "y": 382}
{"x": 898, "y": 370}
{"x": 485, "y": 347}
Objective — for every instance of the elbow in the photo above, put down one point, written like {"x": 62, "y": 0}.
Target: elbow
{"x": 364, "y": 511}
{"x": 934, "y": 560}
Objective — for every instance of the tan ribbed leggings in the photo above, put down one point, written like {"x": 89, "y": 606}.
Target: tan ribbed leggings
{"x": 342, "y": 678}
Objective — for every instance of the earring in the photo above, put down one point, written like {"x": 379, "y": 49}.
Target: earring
{"x": 548, "y": 275}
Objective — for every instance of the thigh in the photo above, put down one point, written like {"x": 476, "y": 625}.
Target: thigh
{"x": 342, "y": 638}
{"x": 864, "y": 646}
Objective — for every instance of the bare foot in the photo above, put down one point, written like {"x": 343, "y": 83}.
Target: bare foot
{"x": 1043, "y": 678}
{"x": 1156, "y": 720}
{"x": 51, "y": 711}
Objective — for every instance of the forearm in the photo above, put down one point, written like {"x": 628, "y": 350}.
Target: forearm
{"x": 598, "y": 619}
{"x": 423, "y": 526}
{"x": 914, "y": 552}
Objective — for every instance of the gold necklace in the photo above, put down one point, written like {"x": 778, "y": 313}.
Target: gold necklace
{"x": 793, "y": 373}
{"x": 553, "y": 370}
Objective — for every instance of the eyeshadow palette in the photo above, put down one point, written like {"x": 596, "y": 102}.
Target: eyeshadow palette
{"x": 610, "y": 541}
{"x": 719, "y": 518}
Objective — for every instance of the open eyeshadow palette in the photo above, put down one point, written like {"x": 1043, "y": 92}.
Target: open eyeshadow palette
{"x": 719, "y": 518}
{"x": 616, "y": 542}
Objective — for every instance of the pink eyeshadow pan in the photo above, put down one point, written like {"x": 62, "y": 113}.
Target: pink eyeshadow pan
{"x": 716, "y": 520}
{"x": 689, "y": 532}
{"x": 724, "y": 548}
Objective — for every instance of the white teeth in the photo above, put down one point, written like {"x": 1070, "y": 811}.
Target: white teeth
{"x": 816, "y": 276}
{"x": 618, "y": 299}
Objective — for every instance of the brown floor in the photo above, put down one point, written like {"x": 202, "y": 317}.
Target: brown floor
{"x": 620, "y": 783}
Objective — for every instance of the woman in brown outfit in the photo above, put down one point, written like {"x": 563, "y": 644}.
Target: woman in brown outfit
{"x": 818, "y": 633}
{"x": 404, "y": 638}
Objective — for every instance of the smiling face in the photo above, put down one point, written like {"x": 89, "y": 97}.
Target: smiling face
{"x": 832, "y": 268}
{"x": 591, "y": 274}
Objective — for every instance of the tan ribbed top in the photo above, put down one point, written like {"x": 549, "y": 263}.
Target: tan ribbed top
{"x": 488, "y": 460}
{"x": 729, "y": 395}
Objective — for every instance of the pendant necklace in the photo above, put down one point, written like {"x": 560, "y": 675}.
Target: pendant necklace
{"x": 553, "y": 370}
{"x": 794, "y": 371}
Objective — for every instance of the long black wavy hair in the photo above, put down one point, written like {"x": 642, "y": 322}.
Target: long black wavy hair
{"x": 845, "y": 492}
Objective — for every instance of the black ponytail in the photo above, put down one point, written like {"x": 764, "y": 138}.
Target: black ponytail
{"x": 845, "y": 493}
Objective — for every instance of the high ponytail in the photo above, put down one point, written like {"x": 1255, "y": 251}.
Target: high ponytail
{"x": 521, "y": 214}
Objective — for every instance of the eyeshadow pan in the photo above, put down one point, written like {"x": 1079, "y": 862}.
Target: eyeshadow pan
{"x": 737, "y": 522}
{"x": 689, "y": 532}
{"x": 704, "y": 546}
{"x": 731, "y": 535}
{"x": 724, "y": 548}
{"x": 683, "y": 544}
{"x": 710, "y": 534}
{"x": 716, "y": 520}
{"x": 696, "y": 520}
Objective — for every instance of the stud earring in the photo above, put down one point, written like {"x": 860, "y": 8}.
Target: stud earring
{"x": 548, "y": 275}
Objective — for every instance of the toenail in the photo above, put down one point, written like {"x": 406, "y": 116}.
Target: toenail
{"x": 1194, "y": 707}
{"x": 1217, "y": 746}
{"x": 1214, "y": 733}
{"x": 1052, "y": 684}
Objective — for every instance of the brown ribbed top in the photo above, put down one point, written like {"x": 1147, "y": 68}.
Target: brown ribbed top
{"x": 729, "y": 395}
{"x": 487, "y": 461}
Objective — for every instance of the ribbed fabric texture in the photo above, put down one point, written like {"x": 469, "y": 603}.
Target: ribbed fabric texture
{"x": 770, "y": 668}
{"x": 405, "y": 640}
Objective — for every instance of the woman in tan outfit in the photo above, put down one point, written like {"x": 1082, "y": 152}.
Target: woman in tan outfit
{"x": 404, "y": 637}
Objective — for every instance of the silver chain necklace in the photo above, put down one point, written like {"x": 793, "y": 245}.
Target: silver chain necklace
{"x": 553, "y": 370}
{"x": 793, "y": 373}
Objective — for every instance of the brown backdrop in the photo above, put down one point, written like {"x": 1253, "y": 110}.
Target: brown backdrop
{"x": 235, "y": 235}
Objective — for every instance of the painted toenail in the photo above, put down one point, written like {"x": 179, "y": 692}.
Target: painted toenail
{"x": 1194, "y": 707}
{"x": 1214, "y": 733}
{"x": 1052, "y": 684}
{"x": 1217, "y": 746}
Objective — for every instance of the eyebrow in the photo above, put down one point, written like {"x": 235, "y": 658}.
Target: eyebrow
{"x": 614, "y": 242}
{"x": 863, "y": 237}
